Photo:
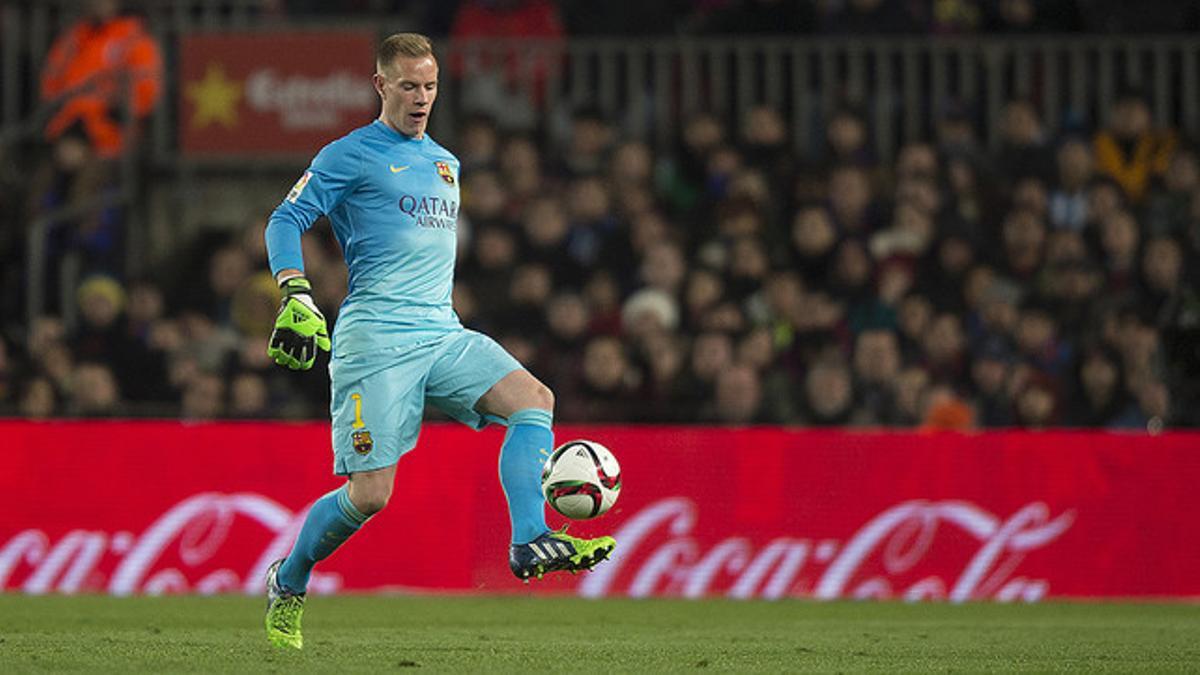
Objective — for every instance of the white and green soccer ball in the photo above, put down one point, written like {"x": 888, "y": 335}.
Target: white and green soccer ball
{"x": 581, "y": 479}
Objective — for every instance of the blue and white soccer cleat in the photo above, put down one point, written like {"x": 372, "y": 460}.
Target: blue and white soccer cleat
{"x": 557, "y": 552}
{"x": 284, "y": 610}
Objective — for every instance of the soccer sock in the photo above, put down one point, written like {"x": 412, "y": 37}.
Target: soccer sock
{"x": 330, "y": 522}
{"x": 527, "y": 444}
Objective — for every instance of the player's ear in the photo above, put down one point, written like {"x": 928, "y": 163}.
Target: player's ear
{"x": 378, "y": 81}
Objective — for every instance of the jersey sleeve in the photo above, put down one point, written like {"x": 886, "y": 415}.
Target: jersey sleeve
{"x": 333, "y": 174}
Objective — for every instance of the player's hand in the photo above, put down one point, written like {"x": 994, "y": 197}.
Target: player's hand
{"x": 300, "y": 328}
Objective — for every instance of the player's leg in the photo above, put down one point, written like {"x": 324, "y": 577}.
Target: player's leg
{"x": 527, "y": 407}
{"x": 376, "y": 414}
{"x": 329, "y": 523}
{"x": 476, "y": 381}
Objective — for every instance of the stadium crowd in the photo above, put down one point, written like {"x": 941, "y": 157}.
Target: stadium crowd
{"x": 725, "y": 280}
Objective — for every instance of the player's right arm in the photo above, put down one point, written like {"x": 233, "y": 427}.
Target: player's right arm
{"x": 300, "y": 328}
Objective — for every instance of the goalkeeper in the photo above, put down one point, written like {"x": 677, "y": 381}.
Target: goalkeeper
{"x": 392, "y": 196}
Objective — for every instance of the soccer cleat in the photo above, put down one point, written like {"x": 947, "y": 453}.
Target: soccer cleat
{"x": 557, "y": 552}
{"x": 284, "y": 610}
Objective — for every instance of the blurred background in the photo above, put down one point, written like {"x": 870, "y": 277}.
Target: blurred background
{"x": 943, "y": 214}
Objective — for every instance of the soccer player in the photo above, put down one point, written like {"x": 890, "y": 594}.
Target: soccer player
{"x": 392, "y": 196}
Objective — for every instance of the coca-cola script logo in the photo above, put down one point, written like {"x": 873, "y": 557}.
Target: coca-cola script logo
{"x": 658, "y": 556}
{"x": 194, "y": 534}
{"x": 213, "y": 542}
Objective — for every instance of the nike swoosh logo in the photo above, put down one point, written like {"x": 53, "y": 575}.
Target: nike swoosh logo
{"x": 398, "y": 169}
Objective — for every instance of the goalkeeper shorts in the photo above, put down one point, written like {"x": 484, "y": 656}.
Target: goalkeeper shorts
{"x": 379, "y": 397}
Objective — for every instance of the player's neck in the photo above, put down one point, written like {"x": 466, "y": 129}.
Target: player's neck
{"x": 415, "y": 137}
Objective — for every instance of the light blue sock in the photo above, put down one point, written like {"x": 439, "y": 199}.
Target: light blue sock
{"x": 527, "y": 444}
{"x": 330, "y": 522}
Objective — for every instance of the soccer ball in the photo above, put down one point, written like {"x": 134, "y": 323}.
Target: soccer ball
{"x": 581, "y": 479}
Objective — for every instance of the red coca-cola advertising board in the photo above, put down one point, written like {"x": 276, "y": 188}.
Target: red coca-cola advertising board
{"x": 167, "y": 507}
{"x": 273, "y": 93}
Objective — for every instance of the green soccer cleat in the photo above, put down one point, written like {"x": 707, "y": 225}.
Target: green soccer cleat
{"x": 284, "y": 610}
{"x": 557, "y": 552}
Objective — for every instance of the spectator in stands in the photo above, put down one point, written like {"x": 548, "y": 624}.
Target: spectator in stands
{"x": 828, "y": 394}
{"x": 203, "y": 397}
{"x": 847, "y": 139}
{"x": 1068, "y": 206}
{"x": 521, "y": 172}
{"x": 489, "y": 264}
{"x": 912, "y": 320}
{"x": 876, "y": 365}
{"x": 249, "y": 397}
{"x": 945, "y": 350}
{"x": 648, "y": 313}
{"x": 711, "y": 353}
{"x": 567, "y": 319}
{"x": 1100, "y": 398}
{"x": 813, "y": 241}
{"x": 1162, "y": 275}
{"x": 911, "y": 386}
{"x": 93, "y": 391}
{"x": 606, "y": 391}
{"x": 1119, "y": 245}
{"x": 479, "y": 143}
{"x": 603, "y": 299}
{"x": 484, "y": 200}
{"x": 1130, "y": 150}
{"x": 705, "y": 290}
{"x": 586, "y": 150}
{"x": 1169, "y": 205}
{"x": 1037, "y": 340}
{"x": 663, "y": 357}
{"x": 683, "y": 170}
{"x": 852, "y": 202}
{"x": 737, "y": 397}
{"x": 104, "y": 66}
{"x": 528, "y": 292}
{"x": 1024, "y": 144}
{"x": 663, "y": 267}
{"x": 945, "y": 410}
{"x": 991, "y": 371}
{"x": 1022, "y": 239}
{"x": 1037, "y": 403}
{"x": 1104, "y": 198}
{"x": 39, "y": 400}
{"x": 972, "y": 199}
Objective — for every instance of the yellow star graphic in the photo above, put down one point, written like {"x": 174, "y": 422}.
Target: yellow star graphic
{"x": 215, "y": 98}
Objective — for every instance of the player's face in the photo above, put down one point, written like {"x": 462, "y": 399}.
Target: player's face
{"x": 408, "y": 87}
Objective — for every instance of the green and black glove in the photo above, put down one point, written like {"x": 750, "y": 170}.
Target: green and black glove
{"x": 300, "y": 327}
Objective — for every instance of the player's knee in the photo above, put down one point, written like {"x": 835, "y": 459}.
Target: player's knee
{"x": 374, "y": 504}
{"x": 541, "y": 397}
{"x": 370, "y": 499}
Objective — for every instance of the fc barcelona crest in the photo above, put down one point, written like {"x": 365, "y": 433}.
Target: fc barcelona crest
{"x": 362, "y": 441}
{"x": 445, "y": 172}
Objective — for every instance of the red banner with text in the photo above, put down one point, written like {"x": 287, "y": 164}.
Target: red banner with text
{"x": 166, "y": 507}
{"x": 281, "y": 93}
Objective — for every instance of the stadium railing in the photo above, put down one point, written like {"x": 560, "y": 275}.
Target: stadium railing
{"x": 903, "y": 84}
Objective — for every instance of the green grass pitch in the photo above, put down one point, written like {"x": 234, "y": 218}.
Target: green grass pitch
{"x": 540, "y": 635}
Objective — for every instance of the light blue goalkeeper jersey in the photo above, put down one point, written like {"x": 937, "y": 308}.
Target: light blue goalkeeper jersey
{"x": 393, "y": 203}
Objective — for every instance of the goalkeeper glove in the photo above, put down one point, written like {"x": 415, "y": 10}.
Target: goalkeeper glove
{"x": 300, "y": 327}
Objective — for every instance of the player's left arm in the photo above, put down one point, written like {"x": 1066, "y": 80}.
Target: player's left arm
{"x": 300, "y": 328}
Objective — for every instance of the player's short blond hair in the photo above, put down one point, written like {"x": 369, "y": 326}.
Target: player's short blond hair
{"x": 402, "y": 45}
